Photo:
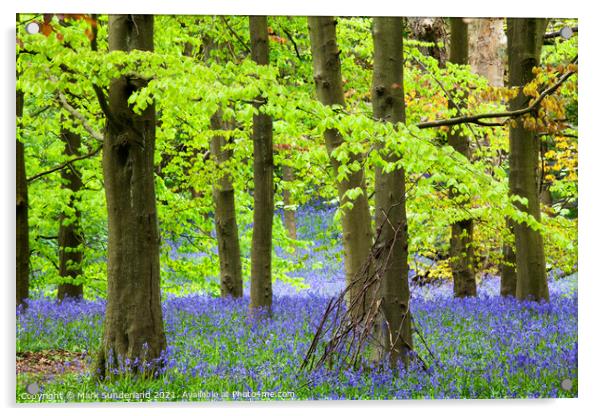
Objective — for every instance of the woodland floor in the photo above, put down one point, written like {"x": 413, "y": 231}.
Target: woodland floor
{"x": 483, "y": 347}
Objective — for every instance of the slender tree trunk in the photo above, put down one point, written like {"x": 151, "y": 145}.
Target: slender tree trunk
{"x": 525, "y": 38}
{"x": 226, "y": 228}
{"x": 487, "y": 40}
{"x": 508, "y": 267}
{"x": 545, "y": 195}
{"x": 461, "y": 248}
{"x": 391, "y": 222}
{"x": 356, "y": 222}
{"x": 22, "y": 216}
{"x": 70, "y": 232}
{"x": 288, "y": 174}
{"x": 133, "y": 326}
{"x": 263, "y": 171}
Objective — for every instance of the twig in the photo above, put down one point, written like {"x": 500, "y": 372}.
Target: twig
{"x": 245, "y": 46}
{"x": 290, "y": 37}
{"x": 64, "y": 164}
{"x": 354, "y": 328}
{"x": 40, "y": 111}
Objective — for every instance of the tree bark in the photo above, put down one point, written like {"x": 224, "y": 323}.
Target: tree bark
{"x": 461, "y": 246}
{"x": 508, "y": 267}
{"x": 391, "y": 222}
{"x": 288, "y": 174}
{"x": 263, "y": 196}
{"x": 133, "y": 326}
{"x": 431, "y": 30}
{"x": 70, "y": 232}
{"x": 22, "y": 226}
{"x": 226, "y": 228}
{"x": 356, "y": 222}
{"x": 486, "y": 49}
{"x": 525, "y": 38}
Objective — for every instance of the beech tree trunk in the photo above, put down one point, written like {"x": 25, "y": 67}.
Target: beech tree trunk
{"x": 70, "y": 232}
{"x": 263, "y": 171}
{"x": 392, "y": 229}
{"x": 133, "y": 326}
{"x": 431, "y": 30}
{"x": 22, "y": 226}
{"x": 525, "y": 38}
{"x": 486, "y": 48}
{"x": 461, "y": 246}
{"x": 288, "y": 174}
{"x": 226, "y": 227}
{"x": 356, "y": 222}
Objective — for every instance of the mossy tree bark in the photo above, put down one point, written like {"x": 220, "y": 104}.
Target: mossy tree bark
{"x": 392, "y": 229}
{"x": 263, "y": 179}
{"x": 133, "y": 326}
{"x": 22, "y": 226}
{"x": 70, "y": 233}
{"x": 525, "y": 39}
{"x": 356, "y": 222}
{"x": 226, "y": 227}
{"x": 461, "y": 245}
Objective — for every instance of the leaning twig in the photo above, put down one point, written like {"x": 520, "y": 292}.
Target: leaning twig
{"x": 351, "y": 321}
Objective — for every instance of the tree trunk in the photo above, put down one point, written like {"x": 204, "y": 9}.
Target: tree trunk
{"x": 525, "y": 38}
{"x": 508, "y": 267}
{"x": 226, "y": 228}
{"x": 22, "y": 216}
{"x": 486, "y": 46}
{"x": 431, "y": 30}
{"x": 133, "y": 326}
{"x": 461, "y": 246}
{"x": 288, "y": 174}
{"x": 70, "y": 232}
{"x": 391, "y": 222}
{"x": 356, "y": 222}
{"x": 263, "y": 171}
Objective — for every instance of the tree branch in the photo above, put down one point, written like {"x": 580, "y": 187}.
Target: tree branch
{"x": 244, "y": 45}
{"x": 450, "y": 98}
{"x": 476, "y": 119}
{"x": 290, "y": 37}
{"x": 64, "y": 164}
{"x": 76, "y": 114}
{"x": 104, "y": 106}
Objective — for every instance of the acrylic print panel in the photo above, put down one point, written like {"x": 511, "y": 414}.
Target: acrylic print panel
{"x": 284, "y": 208}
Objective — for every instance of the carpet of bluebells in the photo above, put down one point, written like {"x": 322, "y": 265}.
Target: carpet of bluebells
{"x": 484, "y": 347}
